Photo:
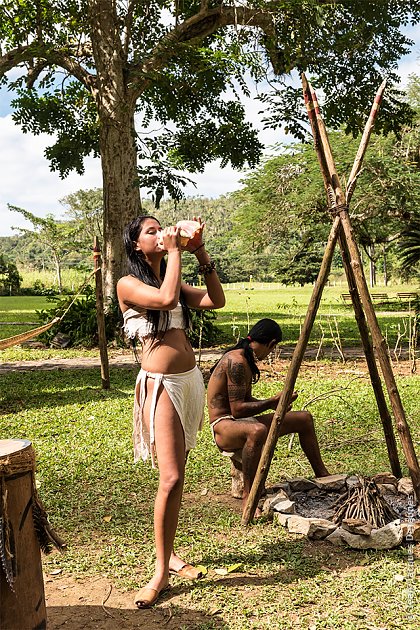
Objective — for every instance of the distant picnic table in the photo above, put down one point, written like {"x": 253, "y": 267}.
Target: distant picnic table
{"x": 383, "y": 298}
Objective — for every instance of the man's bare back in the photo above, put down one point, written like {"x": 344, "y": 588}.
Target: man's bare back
{"x": 230, "y": 382}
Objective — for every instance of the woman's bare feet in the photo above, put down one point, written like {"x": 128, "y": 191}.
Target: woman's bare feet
{"x": 149, "y": 594}
{"x": 176, "y": 563}
{"x": 183, "y": 569}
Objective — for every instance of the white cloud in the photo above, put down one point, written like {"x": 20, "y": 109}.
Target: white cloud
{"x": 26, "y": 180}
{"x": 410, "y": 66}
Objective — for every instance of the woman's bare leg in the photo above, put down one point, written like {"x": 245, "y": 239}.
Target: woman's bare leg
{"x": 175, "y": 562}
{"x": 170, "y": 450}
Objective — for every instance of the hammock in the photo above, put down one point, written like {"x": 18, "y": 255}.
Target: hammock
{"x": 17, "y": 339}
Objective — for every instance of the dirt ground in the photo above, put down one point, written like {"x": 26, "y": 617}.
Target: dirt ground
{"x": 96, "y": 604}
{"x": 329, "y": 361}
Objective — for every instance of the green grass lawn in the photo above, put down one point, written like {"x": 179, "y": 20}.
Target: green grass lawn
{"x": 102, "y": 503}
{"x": 335, "y": 322}
{"x": 17, "y": 308}
{"x": 288, "y": 305}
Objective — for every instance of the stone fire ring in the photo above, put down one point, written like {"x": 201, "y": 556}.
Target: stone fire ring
{"x": 282, "y": 503}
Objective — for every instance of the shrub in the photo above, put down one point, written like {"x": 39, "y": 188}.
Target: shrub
{"x": 81, "y": 326}
{"x": 80, "y": 321}
{"x": 9, "y": 277}
{"x": 39, "y": 288}
{"x": 202, "y": 324}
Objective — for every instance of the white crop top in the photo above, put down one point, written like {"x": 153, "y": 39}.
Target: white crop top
{"x": 136, "y": 324}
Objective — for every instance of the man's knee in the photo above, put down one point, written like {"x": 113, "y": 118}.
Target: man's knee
{"x": 306, "y": 420}
{"x": 257, "y": 433}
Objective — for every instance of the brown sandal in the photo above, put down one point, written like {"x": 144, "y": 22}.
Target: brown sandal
{"x": 147, "y": 597}
{"x": 188, "y": 572}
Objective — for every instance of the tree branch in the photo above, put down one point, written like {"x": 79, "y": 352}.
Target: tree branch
{"x": 34, "y": 71}
{"x": 204, "y": 23}
{"x": 128, "y": 25}
{"x": 41, "y": 57}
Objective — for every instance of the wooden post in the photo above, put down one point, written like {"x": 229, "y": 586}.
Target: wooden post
{"x": 383, "y": 356}
{"x": 100, "y": 317}
{"x": 360, "y": 280}
{"x": 334, "y": 194}
{"x": 237, "y": 479}
{"x": 22, "y": 598}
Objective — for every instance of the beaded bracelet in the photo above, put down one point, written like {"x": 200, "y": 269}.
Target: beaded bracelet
{"x": 207, "y": 269}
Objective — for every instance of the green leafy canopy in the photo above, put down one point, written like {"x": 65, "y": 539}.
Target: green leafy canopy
{"x": 347, "y": 47}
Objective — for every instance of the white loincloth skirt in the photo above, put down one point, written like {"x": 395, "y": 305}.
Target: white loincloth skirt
{"x": 187, "y": 393}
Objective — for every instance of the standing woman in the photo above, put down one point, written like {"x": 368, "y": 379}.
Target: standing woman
{"x": 169, "y": 394}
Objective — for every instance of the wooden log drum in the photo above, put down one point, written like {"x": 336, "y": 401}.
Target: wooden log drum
{"x": 22, "y": 599}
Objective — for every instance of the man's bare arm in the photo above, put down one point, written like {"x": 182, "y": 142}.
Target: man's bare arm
{"x": 242, "y": 404}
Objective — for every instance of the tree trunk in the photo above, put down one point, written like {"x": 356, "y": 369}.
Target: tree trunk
{"x": 121, "y": 195}
{"x": 117, "y": 140}
{"x": 385, "y": 266}
{"x": 372, "y": 265}
{"x": 58, "y": 272}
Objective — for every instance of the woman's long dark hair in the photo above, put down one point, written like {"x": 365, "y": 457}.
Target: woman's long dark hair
{"x": 264, "y": 331}
{"x": 140, "y": 268}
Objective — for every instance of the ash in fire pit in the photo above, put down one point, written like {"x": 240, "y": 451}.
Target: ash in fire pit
{"x": 316, "y": 503}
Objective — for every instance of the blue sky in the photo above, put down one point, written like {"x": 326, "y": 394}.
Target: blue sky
{"x": 27, "y": 182}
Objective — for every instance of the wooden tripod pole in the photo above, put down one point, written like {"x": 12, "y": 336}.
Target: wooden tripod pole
{"x": 362, "y": 288}
{"x": 270, "y": 444}
{"x": 370, "y": 361}
{"x": 335, "y": 195}
{"x": 383, "y": 356}
{"x": 357, "y": 305}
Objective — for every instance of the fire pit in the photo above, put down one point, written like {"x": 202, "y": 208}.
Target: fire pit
{"x": 363, "y": 513}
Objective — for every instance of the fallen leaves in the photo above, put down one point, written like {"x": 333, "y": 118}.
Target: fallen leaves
{"x": 233, "y": 568}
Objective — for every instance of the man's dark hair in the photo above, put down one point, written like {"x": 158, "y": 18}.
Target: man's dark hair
{"x": 140, "y": 268}
{"x": 264, "y": 331}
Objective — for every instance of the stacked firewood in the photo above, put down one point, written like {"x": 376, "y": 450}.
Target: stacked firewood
{"x": 364, "y": 502}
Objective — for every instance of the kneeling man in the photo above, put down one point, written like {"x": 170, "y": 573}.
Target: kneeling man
{"x": 234, "y": 416}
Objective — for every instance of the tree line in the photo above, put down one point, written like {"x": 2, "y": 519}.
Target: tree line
{"x": 275, "y": 227}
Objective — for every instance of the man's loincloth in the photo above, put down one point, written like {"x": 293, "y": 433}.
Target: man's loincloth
{"x": 232, "y": 454}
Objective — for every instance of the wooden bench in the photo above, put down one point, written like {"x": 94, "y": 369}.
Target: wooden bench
{"x": 409, "y": 295}
{"x": 346, "y": 297}
{"x": 379, "y": 297}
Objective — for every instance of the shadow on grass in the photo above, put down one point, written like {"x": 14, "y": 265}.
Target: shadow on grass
{"x": 279, "y": 559}
{"x": 58, "y": 388}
